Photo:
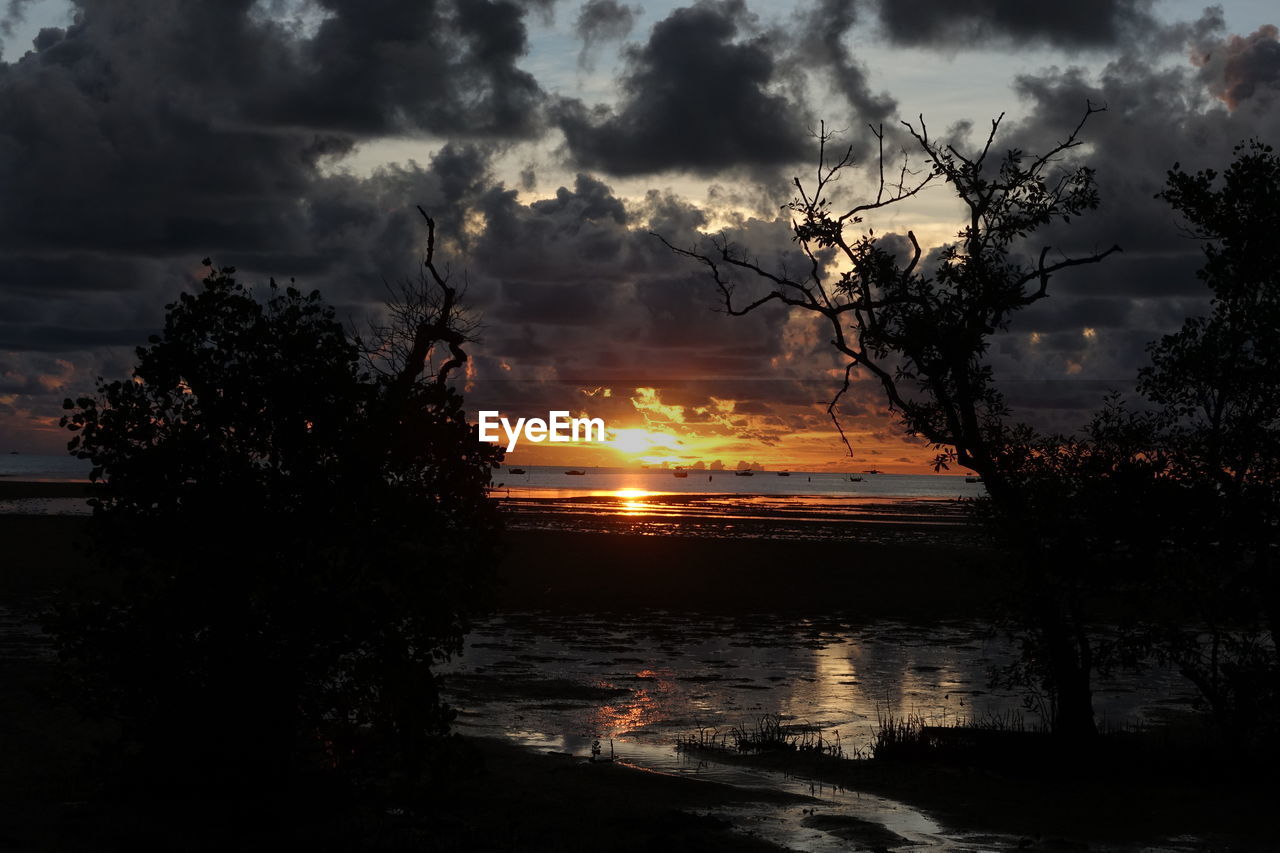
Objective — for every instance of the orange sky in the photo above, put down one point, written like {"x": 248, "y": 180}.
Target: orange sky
{"x": 643, "y": 429}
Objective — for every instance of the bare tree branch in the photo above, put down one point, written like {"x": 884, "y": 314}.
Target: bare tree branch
{"x": 908, "y": 327}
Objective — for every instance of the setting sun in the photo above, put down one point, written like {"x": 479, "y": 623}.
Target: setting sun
{"x": 643, "y": 445}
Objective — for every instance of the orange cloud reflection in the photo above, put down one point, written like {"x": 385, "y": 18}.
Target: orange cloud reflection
{"x": 644, "y": 709}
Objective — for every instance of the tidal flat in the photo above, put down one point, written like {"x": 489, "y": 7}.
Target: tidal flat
{"x": 636, "y": 640}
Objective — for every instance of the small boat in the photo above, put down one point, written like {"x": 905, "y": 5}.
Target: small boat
{"x": 973, "y": 479}
{"x": 871, "y": 471}
{"x": 855, "y": 479}
{"x": 784, "y": 473}
{"x": 745, "y": 473}
{"x": 680, "y": 473}
{"x": 516, "y": 471}
{"x": 575, "y": 473}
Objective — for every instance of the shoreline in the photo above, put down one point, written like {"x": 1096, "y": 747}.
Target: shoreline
{"x": 891, "y": 560}
{"x": 602, "y": 571}
{"x": 553, "y": 800}
{"x": 12, "y": 489}
{"x": 558, "y": 570}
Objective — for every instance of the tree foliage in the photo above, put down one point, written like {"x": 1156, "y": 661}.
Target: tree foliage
{"x": 1214, "y": 388}
{"x": 1170, "y": 511}
{"x": 288, "y": 540}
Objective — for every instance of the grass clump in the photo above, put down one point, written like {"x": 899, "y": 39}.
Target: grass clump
{"x": 770, "y": 734}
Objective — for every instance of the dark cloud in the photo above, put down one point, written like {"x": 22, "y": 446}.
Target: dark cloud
{"x": 139, "y": 140}
{"x": 987, "y": 23}
{"x": 703, "y": 95}
{"x": 397, "y": 65}
{"x": 600, "y": 21}
{"x": 824, "y": 32}
{"x": 127, "y": 157}
{"x": 1236, "y": 68}
{"x": 25, "y": 337}
{"x": 1158, "y": 114}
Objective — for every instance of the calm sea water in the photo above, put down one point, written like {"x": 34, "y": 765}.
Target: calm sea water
{"x": 43, "y": 467}
{"x": 605, "y": 482}
{"x": 620, "y": 482}
{"x": 804, "y": 505}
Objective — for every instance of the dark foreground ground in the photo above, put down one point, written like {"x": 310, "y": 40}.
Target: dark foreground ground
{"x": 623, "y": 571}
{"x": 503, "y": 798}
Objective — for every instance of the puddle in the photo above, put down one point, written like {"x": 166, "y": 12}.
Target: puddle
{"x": 557, "y": 683}
{"x": 831, "y": 818}
{"x": 663, "y": 675}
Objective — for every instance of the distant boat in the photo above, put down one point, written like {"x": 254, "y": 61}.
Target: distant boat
{"x": 575, "y": 473}
{"x": 516, "y": 471}
{"x": 784, "y": 473}
{"x": 747, "y": 473}
{"x": 871, "y": 471}
{"x": 973, "y": 479}
{"x": 855, "y": 479}
{"x": 680, "y": 473}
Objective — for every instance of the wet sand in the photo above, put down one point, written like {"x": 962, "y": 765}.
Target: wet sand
{"x": 606, "y": 572}
{"x": 559, "y": 569}
{"x": 520, "y": 800}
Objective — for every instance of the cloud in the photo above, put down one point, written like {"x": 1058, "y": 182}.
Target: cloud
{"x": 822, "y": 42}
{"x": 15, "y": 12}
{"x": 705, "y": 94}
{"x": 1004, "y": 23}
{"x": 600, "y": 21}
{"x": 1235, "y": 69}
{"x": 401, "y": 65}
{"x": 137, "y": 141}
{"x": 1158, "y": 114}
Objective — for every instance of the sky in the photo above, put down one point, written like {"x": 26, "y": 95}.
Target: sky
{"x": 551, "y": 139}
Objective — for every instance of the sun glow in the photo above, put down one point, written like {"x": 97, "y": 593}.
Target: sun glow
{"x": 646, "y": 446}
{"x": 628, "y": 494}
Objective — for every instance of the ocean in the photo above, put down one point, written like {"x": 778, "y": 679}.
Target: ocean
{"x": 637, "y": 482}
{"x": 707, "y": 504}
{"x": 40, "y": 467}
{"x": 547, "y": 481}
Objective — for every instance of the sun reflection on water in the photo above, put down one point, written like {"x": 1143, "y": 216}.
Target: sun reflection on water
{"x": 631, "y": 501}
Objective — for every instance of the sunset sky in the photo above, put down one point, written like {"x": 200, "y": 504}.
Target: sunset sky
{"x": 293, "y": 138}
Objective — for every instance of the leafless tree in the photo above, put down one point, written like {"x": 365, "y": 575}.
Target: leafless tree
{"x": 423, "y": 314}
{"x": 923, "y": 333}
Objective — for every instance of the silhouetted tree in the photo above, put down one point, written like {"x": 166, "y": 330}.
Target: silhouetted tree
{"x": 288, "y": 540}
{"x": 1170, "y": 514}
{"x": 1098, "y": 510}
{"x": 1216, "y": 388}
{"x": 922, "y": 332}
